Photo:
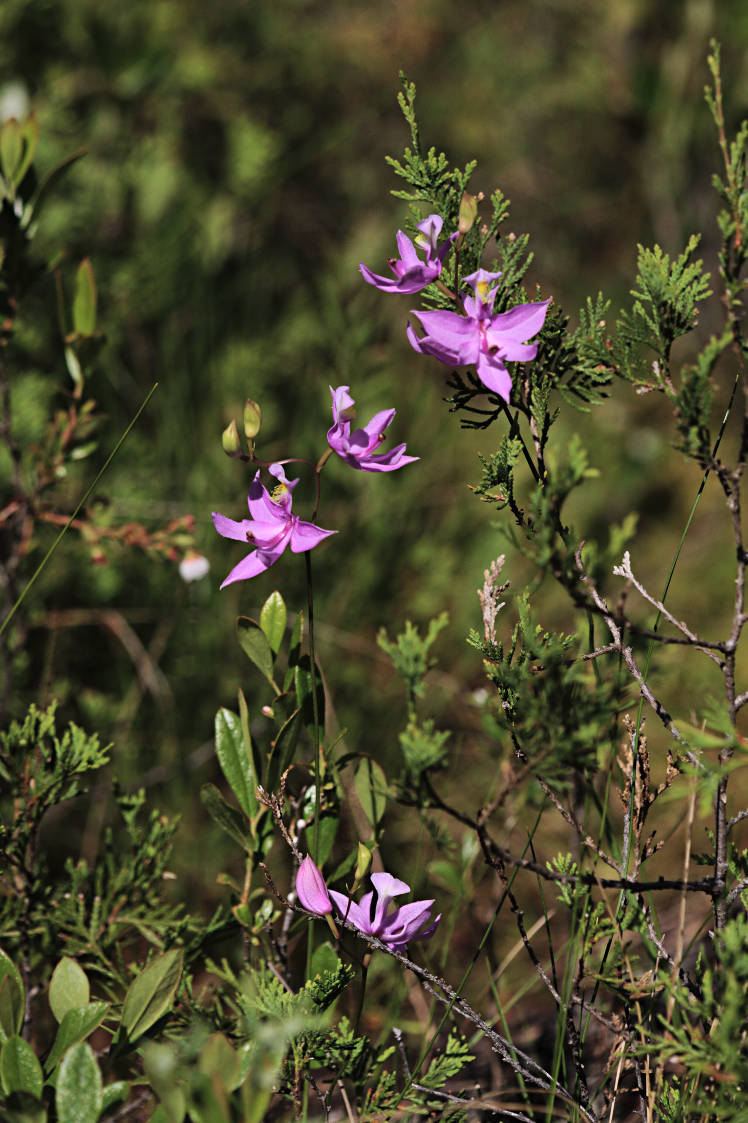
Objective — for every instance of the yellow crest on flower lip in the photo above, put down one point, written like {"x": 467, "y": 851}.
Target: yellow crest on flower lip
{"x": 348, "y": 414}
{"x": 482, "y": 290}
{"x": 278, "y": 492}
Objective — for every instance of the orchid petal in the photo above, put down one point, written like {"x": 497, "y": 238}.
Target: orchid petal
{"x": 388, "y": 886}
{"x": 261, "y": 506}
{"x": 229, "y": 528}
{"x": 494, "y": 375}
{"x": 352, "y": 912}
{"x": 385, "y": 461}
{"x": 522, "y": 322}
{"x": 255, "y": 563}
{"x": 305, "y": 536}
{"x": 370, "y": 436}
{"x": 408, "y": 255}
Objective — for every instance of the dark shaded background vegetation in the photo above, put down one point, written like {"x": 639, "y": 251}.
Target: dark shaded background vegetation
{"x": 235, "y": 178}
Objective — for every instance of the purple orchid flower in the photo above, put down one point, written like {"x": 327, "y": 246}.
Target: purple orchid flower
{"x": 397, "y": 928}
{"x": 357, "y": 447}
{"x": 271, "y": 528}
{"x": 412, "y": 274}
{"x": 481, "y": 338}
{"x": 311, "y": 889}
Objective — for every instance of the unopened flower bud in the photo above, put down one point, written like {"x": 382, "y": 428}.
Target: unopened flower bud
{"x": 468, "y": 212}
{"x": 311, "y": 889}
{"x": 231, "y": 441}
{"x": 363, "y": 865}
{"x": 252, "y": 419}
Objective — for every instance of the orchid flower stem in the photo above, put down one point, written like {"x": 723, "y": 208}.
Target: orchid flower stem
{"x": 315, "y": 707}
{"x": 317, "y": 469}
{"x": 75, "y": 513}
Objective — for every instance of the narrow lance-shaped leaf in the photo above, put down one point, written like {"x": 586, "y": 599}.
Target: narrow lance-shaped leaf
{"x": 255, "y": 646}
{"x": 84, "y": 301}
{"x": 371, "y": 788}
{"x": 236, "y": 763}
{"x": 227, "y": 817}
{"x": 12, "y": 999}
{"x": 11, "y": 149}
{"x": 250, "y": 747}
{"x": 283, "y": 749}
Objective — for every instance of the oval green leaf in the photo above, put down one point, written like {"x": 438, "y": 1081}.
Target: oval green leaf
{"x": 273, "y": 620}
{"x": 20, "y": 1071}
{"x": 75, "y": 1027}
{"x": 68, "y": 988}
{"x": 79, "y": 1095}
{"x": 151, "y": 994}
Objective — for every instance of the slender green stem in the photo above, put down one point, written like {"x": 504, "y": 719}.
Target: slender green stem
{"x": 74, "y": 515}
{"x": 362, "y": 993}
{"x": 315, "y": 706}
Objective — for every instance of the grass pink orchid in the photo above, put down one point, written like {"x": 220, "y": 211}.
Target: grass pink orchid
{"x": 411, "y": 274}
{"x": 357, "y": 447}
{"x": 482, "y": 338}
{"x": 372, "y": 915}
{"x": 271, "y": 528}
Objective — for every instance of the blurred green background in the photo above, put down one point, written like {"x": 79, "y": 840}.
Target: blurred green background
{"x": 234, "y": 181}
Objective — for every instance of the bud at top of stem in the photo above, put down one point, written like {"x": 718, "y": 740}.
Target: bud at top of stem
{"x": 468, "y": 212}
{"x": 252, "y": 419}
{"x": 231, "y": 440}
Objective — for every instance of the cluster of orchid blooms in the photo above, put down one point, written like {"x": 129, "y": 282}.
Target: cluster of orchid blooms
{"x": 480, "y": 338}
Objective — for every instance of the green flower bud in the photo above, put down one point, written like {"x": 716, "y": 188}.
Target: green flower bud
{"x": 231, "y": 440}
{"x": 363, "y": 865}
{"x": 468, "y": 212}
{"x": 252, "y": 419}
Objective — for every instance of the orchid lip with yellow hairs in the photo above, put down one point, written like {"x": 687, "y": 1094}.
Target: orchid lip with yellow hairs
{"x": 271, "y": 528}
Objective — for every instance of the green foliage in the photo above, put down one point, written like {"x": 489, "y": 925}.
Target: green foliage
{"x": 409, "y": 653}
{"x": 666, "y": 299}
{"x": 428, "y": 174}
{"x": 550, "y": 701}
